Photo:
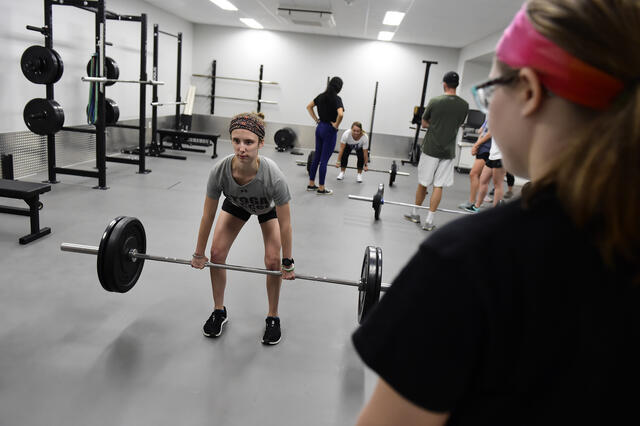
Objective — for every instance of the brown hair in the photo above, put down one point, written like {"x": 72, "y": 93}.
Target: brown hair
{"x": 358, "y": 124}
{"x": 597, "y": 177}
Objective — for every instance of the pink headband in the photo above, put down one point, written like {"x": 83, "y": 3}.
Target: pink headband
{"x": 565, "y": 75}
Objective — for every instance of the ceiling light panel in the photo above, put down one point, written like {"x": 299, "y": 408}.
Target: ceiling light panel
{"x": 393, "y": 18}
{"x": 252, "y": 23}
{"x": 385, "y": 35}
{"x": 224, "y": 4}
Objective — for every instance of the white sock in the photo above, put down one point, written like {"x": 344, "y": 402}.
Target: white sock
{"x": 414, "y": 212}
{"x": 430, "y": 216}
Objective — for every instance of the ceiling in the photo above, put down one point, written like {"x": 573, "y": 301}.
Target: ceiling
{"x": 449, "y": 23}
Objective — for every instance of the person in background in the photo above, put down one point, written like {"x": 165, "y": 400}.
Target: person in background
{"x": 443, "y": 116}
{"x": 553, "y": 338}
{"x": 481, "y": 150}
{"x": 330, "y": 114}
{"x": 354, "y": 138}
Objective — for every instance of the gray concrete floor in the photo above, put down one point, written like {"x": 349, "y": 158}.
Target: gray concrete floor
{"x": 73, "y": 354}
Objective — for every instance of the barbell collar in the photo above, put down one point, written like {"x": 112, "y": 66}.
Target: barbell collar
{"x": 110, "y": 80}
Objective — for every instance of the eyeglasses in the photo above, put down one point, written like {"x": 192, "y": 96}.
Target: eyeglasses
{"x": 483, "y": 93}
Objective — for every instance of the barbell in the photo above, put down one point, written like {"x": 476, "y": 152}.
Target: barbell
{"x": 122, "y": 252}
{"x": 113, "y": 80}
{"x": 378, "y": 200}
{"x": 393, "y": 172}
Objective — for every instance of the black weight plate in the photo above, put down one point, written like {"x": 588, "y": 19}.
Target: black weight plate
{"x": 371, "y": 278}
{"x": 60, "y": 65}
{"x": 40, "y": 65}
{"x": 112, "y": 70}
{"x": 310, "y": 158}
{"x": 43, "y": 116}
{"x": 285, "y": 138}
{"x": 377, "y": 205}
{"x": 120, "y": 271}
{"x": 393, "y": 173}
{"x": 112, "y": 112}
{"x": 106, "y": 235}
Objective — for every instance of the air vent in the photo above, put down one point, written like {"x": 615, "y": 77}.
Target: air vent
{"x": 312, "y": 18}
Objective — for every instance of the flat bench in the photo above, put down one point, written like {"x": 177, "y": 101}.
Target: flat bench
{"x": 179, "y": 137}
{"x": 30, "y": 193}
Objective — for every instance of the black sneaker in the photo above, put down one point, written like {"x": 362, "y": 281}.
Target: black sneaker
{"x": 312, "y": 187}
{"x": 213, "y": 326}
{"x": 272, "y": 331}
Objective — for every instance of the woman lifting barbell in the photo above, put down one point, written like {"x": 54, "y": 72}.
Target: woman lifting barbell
{"x": 354, "y": 138}
{"x": 252, "y": 184}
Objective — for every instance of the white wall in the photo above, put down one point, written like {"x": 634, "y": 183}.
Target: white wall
{"x": 301, "y": 64}
{"x": 474, "y": 73}
{"x": 74, "y": 41}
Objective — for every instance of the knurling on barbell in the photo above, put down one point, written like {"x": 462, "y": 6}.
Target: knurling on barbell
{"x": 122, "y": 252}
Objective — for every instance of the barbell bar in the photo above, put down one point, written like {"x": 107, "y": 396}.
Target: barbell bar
{"x": 304, "y": 163}
{"x": 167, "y": 103}
{"x": 112, "y": 80}
{"x": 122, "y": 252}
{"x": 392, "y": 173}
{"x": 217, "y": 77}
{"x": 262, "y": 101}
{"x": 378, "y": 200}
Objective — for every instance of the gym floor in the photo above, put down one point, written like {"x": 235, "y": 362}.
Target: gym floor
{"x": 74, "y": 354}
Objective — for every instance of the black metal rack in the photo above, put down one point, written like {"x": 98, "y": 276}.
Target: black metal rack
{"x": 414, "y": 155}
{"x": 101, "y": 16}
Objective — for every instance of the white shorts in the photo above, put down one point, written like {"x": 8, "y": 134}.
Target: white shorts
{"x": 435, "y": 171}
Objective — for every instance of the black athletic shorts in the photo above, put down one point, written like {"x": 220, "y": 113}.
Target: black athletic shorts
{"x": 244, "y": 215}
{"x": 494, "y": 164}
{"x": 484, "y": 156}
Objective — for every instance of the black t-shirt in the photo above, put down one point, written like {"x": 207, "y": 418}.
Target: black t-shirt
{"x": 328, "y": 107}
{"x": 509, "y": 317}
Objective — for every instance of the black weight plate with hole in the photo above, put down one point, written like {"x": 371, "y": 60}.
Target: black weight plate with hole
{"x": 310, "y": 158}
{"x": 112, "y": 70}
{"x": 285, "y": 138}
{"x": 120, "y": 272}
{"x": 43, "y": 116}
{"x": 112, "y": 111}
{"x": 100, "y": 263}
{"x": 393, "y": 173}
{"x": 370, "y": 278}
{"x": 40, "y": 65}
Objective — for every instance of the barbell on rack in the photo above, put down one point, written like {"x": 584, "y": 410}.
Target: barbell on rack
{"x": 122, "y": 252}
{"x": 378, "y": 200}
{"x": 393, "y": 172}
{"x": 167, "y": 103}
{"x": 217, "y": 77}
{"x": 109, "y": 80}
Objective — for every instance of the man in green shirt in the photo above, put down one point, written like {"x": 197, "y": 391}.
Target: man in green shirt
{"x": 443, "y": 116}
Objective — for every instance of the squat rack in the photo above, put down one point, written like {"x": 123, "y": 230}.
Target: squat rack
{"x": 101, "y": 16}
{"x": 259, "y": 101}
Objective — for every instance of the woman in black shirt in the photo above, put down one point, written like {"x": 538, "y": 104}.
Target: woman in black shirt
{"x": 553, "y": 338}
{"x": 331, "y": 111}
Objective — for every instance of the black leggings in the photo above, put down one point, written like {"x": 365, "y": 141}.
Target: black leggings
{"x": 345, "y": 156}
{"x": 510, "y": 179}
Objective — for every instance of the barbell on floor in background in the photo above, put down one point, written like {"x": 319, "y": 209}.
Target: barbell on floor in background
{"x": 378, "y": 200}
{"x": 122, "y": 252}
{"x": 393, "y": 172}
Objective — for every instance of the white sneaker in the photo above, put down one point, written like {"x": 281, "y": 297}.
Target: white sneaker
{"x": 340, "y": 176}
{"x": 359, "y": 178}
{"x": 428, "y": 226}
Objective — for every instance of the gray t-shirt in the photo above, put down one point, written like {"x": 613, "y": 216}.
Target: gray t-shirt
{"x": 266, "y": 190}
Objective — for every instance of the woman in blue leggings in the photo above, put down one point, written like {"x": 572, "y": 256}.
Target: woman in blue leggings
{"x": 330, "y": 113}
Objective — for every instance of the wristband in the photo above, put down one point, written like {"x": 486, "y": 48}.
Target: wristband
{"x": 197, "y": 256}
{"x": 289, "y": 269}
